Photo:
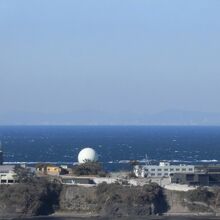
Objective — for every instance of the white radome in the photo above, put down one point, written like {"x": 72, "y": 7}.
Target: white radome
{"x": 87, "y": 155}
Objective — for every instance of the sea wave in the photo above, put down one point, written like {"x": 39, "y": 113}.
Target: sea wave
{"x": 209, "y": 161}
{"x": 114, "y": 162}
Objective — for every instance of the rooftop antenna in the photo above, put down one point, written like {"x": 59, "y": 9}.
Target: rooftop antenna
{"x": 147, "y": 160}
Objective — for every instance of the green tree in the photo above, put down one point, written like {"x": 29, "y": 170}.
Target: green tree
{"x": 24, "y": 175}
{"x": 89, "y": 168}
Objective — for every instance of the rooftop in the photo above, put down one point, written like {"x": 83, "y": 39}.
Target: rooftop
{"x": 6, "y": 168}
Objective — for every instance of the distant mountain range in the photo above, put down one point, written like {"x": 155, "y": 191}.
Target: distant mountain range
{"x": 102, "y": 118}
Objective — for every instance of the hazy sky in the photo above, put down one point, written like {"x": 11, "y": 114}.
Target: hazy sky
{"x": 113, "y": 56}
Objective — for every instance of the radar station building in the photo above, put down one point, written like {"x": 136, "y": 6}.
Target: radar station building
{"x": 164, "y": 169}
{"x": 7, "y": 174}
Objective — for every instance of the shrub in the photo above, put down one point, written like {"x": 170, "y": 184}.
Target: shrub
{"x": 89, "y": 168}
{"x": 200, "y": 195}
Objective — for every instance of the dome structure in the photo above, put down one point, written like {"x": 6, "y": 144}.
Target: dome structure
{"x": 87, "y": 155}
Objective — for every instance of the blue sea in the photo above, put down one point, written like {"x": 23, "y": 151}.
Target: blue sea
{"x": 116, "y": 145}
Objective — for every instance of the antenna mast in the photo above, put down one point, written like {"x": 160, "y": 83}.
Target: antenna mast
{"x": 147, "y": 160}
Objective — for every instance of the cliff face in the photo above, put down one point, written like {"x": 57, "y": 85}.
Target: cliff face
{"x": 28, "y": 199}
{"x": 78, "y": 199}
{"x": 196, "y": 201}
{"x": 44, "y": 198}
{"x": 114, "y": 200}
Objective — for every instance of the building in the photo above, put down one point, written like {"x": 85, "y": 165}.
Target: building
{"x": 205, "y": 175}
{"x": 190, "y": 178}
{"x": 202, "y": 179}
{"x": 53, "y": 170}
{"x": 7, "y": 174}
{"x": 164, "y": 169}
{"x": 49, "y": 169}
{"x": 208, "y": 168}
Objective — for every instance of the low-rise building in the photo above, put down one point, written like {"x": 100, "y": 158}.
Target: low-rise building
{"x": 205, "y": 175}
{"x": 53, "y": 170}
{"x": 164, "y": 169}
{"x": 190, "y": 178}
{"x": 49, "y": 169}
{"x": 7, "y": 174}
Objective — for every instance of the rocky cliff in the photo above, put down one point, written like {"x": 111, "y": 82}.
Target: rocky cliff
{"x": 114, "y": 200}
{"x": 28, "y": 199}
{"x": 43, "y": 198}
{"x": 199, "y": 201}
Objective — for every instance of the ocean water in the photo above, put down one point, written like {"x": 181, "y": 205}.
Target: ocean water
{"x": 116, "y": 145}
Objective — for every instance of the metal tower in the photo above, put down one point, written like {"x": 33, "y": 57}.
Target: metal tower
{"x": 147, "y": 160}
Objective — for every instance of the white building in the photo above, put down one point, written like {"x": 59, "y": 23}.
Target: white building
{"x": 7, "y": 174}
{"x": 164, "y": 169}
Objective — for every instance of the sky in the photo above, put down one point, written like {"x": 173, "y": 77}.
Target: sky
{"x": 144, "y": 56}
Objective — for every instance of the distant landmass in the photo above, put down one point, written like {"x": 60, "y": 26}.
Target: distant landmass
{"x": 102, "y": 118}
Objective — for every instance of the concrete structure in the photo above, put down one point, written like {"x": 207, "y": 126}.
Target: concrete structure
{"x": 53, "y": 170}
{"x": 49, "y": 169}
{"x": 87, "y": 155}
{"x": 178, "y": 187}
{"x": 83, "y": 181}
{"x": 190, "y": 178}
{"x": 164, "y": 169}
{"x": 208, "y": 168}
{"x": 205, "y": 175}
{"x": 7, "y": 174}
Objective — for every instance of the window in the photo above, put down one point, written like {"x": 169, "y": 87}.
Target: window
{"x": 158, "y": 169}
{"x": 152, "y": 174}
{"x": 184, "y": 169}
{"x": 3, "y": 181}
{"x": 159, "y": 174}
{"x": 152, "y": 169}
{"x": 10, "y": 181}
{"x": 177, "y": 169}
{"x": 4, "y": 171}
{"x": 165, "y": 169}
{"x": 190, "y": 169}
{"x": 171, "y": 169}
{"x": 165, "y": 174}
{"x": 190, "y": 177}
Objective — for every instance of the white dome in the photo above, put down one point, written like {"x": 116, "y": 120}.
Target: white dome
{"x": 87, "y": 155}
